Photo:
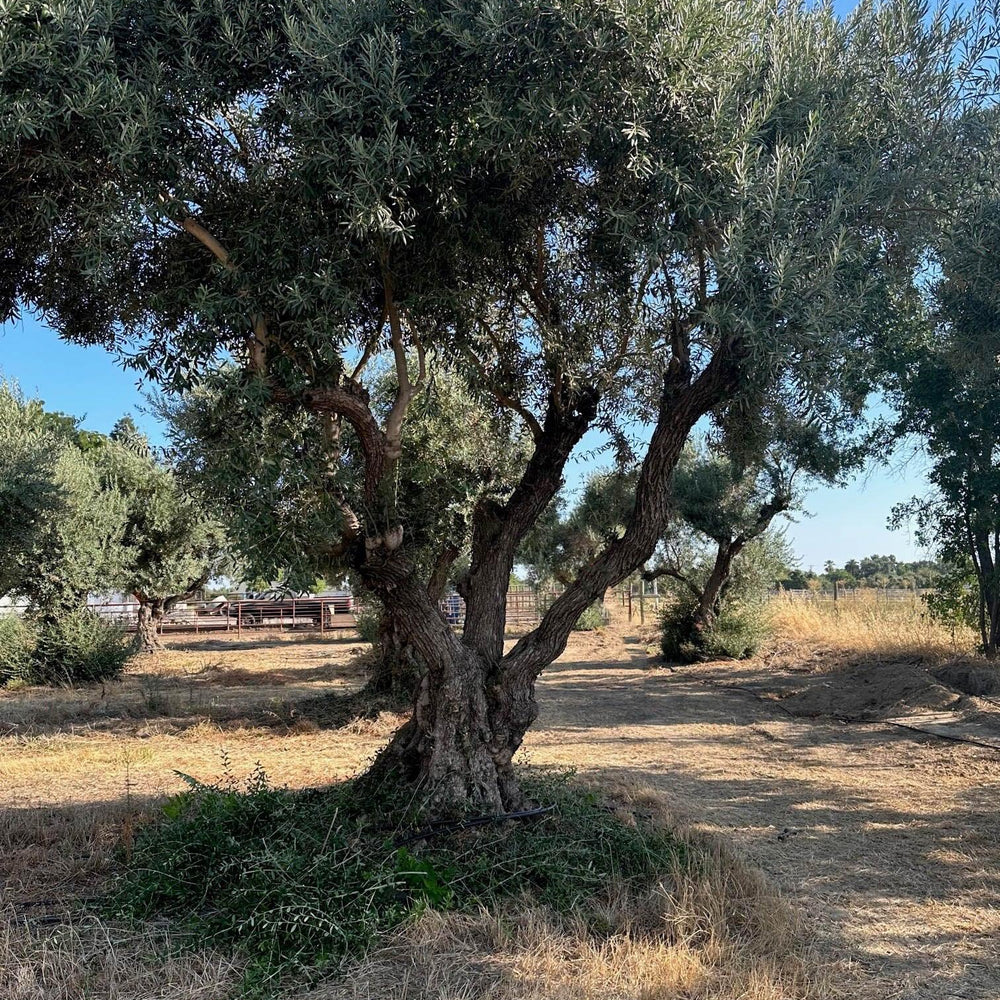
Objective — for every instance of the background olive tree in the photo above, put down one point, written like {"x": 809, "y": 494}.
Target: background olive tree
{"x": 170, "y": 547}
{"x": 61, "y": 533}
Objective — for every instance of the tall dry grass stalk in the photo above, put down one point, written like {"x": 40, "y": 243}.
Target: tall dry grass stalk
{"x": 88, "y": 958}
{"x": 868, "y": 625}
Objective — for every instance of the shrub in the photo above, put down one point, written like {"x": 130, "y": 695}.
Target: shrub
{"x": 592, "y": 618}
{"x": 302, "y": 880}
{"x": 367, "y": 619}
{"x": 954, "y": 602}
{"x": 737, "y": 632}
{"x": 79, "y": 647}
{"x": 17, "y": 643}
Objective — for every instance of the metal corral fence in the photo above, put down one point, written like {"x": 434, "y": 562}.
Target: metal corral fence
{"x": 525, "y": 607}
{"x": 306, "y": 614}
{"x": 316, "y": 614}
{"x": 881, "y": 595}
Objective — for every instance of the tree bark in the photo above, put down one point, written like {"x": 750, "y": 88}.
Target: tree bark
{"x": 474, "y": 705}
{"x": 147, "y": 636}
{"x": 454, "y": 747}
{"x": 498, "y": 530}
{"x": 397, "y": 668}
{"x": 152, "y": 610}
{"x": 711, "y": 597}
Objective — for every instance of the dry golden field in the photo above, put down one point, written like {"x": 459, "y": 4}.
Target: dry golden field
{"x": 843, "y": 854}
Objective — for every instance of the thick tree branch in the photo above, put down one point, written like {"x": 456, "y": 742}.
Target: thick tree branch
{"x": 203, "y": 236}
{"x": 443, "y": 563}
{"x": 682, "y": 405}
{"x": 660, "y": 571}
{"x": 349, "y": 401}
{"x": 499, "y": 529}
{"x": 406, "y": 390}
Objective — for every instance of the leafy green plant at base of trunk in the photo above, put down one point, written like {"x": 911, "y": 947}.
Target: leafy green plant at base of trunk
{"x": 302, "y": 881}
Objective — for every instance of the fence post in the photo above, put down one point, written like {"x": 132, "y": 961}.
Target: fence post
{"x": 630, "y": 603}
{"x": 642, "y": 602}
{"x": 239, "y": 619}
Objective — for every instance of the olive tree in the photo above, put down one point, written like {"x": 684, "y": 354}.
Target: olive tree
{"x": 170, "y": 547}
{"x": 604, "y": 212}
{"x": 726, "y": 499}
{"x": 61, "y": 528}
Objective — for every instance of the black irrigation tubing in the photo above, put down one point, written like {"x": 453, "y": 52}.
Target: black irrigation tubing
{"x": 853, "y": 722}
{"x": 941, "y": 736}
{"x": 442, "y": 828}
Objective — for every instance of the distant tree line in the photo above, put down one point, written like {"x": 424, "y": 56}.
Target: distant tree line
{"x": 871, "y": 571}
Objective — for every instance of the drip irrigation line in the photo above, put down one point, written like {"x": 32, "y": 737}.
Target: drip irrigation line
{"x": 941, "y": 736}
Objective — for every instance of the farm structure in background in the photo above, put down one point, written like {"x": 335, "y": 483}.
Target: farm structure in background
{"x": 325, "y": 613}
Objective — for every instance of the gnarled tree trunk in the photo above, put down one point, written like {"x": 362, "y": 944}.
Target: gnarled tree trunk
{"x": 474, "y": 704}
{"x": 398, "y": 667}
{"x": 453, "y": 745}
{"x": 150, "y": 618}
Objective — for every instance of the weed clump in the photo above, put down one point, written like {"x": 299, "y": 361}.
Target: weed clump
{"x": 17, "y": 641}
{"x": 301, "y": 881}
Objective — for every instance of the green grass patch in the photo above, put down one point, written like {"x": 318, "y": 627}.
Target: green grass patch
{"x": 302, "y": 881}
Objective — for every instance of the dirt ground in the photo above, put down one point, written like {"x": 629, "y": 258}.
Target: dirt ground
{"x": 888, "y": 839}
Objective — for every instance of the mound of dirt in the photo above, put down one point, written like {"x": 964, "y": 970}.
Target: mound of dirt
{"x": 975, "y": 677}
{"x": 868, "y": 692}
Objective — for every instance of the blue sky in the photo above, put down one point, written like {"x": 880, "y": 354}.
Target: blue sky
{"x": 86, "y": 381}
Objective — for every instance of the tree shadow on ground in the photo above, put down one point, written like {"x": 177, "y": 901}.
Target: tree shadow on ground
{"x": 260, "y": 641}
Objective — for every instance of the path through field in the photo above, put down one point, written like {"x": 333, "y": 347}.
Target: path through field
{"x": 889, "y": 841}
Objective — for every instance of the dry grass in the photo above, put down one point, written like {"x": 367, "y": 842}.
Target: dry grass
{"x": 712, "y": 929}
{"x": 867, "y": 626}
{"x": 87, "y": 958}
